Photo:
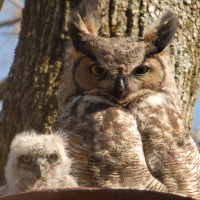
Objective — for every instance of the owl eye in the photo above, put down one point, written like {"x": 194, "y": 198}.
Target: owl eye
{"x": 53, "y": 157}
{"x": 141, "y": 70}
{"x": 98, "y": 71}
{"x": 26, "y": 159}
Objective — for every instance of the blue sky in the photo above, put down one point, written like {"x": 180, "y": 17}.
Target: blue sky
{"x": 8, "y": 39}
{"x": 8, "y": 42}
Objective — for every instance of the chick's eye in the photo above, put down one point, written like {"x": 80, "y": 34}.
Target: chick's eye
{"x": 98, "y": 71}
{"x": 26, "y": 159}
{"x": 53, "y": 157}
{"x": 141, "y": 70}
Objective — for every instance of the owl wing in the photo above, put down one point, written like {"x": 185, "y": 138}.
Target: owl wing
{"x": 170, "y": 152}
{"x": 105, "y": 145}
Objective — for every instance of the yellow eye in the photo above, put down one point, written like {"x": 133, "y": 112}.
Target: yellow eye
{"x": 26, "y": 159}
{"x": 53, "y": 157}
{"x": 98, "y": 71}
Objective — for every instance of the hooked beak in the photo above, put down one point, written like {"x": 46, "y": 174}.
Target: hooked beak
{"x": 40, "y": 169}
{"x": 119, "y": 88}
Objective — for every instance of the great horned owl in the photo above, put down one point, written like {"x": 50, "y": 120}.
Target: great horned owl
{"x": 115, "y": 90}
{"x": 104, "y": 142}
{"x": 37, "y": 162}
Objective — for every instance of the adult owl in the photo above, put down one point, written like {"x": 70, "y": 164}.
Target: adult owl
{"x": 37, "y": 162}
{"x": 116, "y": 91}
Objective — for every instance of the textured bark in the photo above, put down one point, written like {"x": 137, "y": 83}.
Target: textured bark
{"x": 30, "y": 95}
{"x": 2, "y": 85}
{"x": 30, "y": 98}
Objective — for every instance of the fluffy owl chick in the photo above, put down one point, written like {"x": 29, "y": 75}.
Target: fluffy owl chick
{"x": 37, "y": 162}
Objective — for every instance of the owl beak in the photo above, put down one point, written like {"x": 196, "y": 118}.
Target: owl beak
{"x": 40, "y": 169}
{"x": 119, "y": 88}
{"x": 40, "y": 172}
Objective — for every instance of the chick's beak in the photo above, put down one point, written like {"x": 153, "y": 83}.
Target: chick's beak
{"x": 40, "y": 169}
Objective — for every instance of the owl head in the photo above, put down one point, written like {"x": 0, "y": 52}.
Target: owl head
{"x": 115, "y": 67}
{"x": 35, "y": 158}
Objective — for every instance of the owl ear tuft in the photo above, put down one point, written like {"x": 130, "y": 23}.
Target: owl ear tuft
{"x": 84, "y": 22}
{"x": 161, "y": 35}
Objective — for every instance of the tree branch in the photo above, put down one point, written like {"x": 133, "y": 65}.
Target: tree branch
{"x": 18, "y": 4}
{"x": 1, "y": 4}
{"x": 10, "y": 22}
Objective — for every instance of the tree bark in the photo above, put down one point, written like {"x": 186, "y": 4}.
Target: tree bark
{"x": 30, "y": 97}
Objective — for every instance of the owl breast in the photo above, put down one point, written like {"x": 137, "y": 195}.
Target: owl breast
{"x": 105, "y": 145}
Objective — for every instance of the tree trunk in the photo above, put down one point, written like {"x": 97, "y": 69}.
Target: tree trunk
{"x": 30, "y": 100}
